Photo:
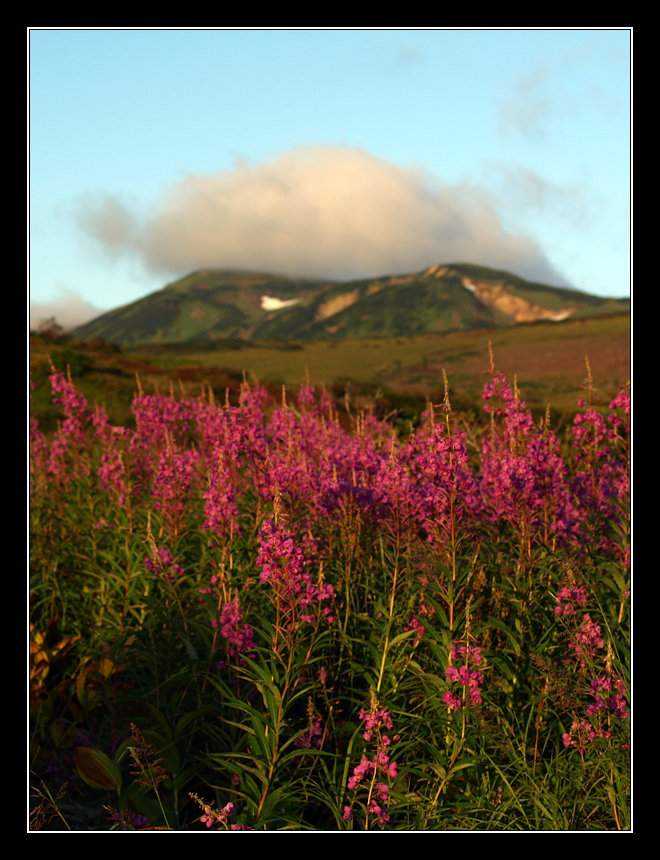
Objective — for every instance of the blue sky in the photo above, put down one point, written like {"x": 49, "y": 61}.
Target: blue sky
{"x": 333, "y": 152}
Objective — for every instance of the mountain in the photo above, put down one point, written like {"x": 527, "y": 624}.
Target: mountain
{"x": 228, "y": 304}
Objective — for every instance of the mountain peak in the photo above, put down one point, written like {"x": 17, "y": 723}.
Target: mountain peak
{"x": 217, "y": 304}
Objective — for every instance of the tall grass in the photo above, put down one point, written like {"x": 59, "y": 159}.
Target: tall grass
{"x": 245, "y": 617}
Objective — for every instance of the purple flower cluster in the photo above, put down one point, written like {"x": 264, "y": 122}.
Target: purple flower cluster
{"x": 116, "y": 441}
{"x": 570, "y": 598}
{"x": 415, "y": 624}
{"x": 177, "y": 470}
{"x": 580, "y": 735}
{"x": 201, "y": 465}
{"x": 69, "y": 449}
{"x": 127, "y": 820}
{"x": 161, "y": 562}
{"x": 221, "y": 513}
{"x": 586, "y": 639}
{"x": 185, "y": 450}
{"x": 221, "y": 816}
{"x": 470, "y": 679}
{"x": 610, "y": 697}
{"x": 380, "y": 765}
{"x": 443, "y": 487}
{"x": 315, "y": 735}
{"x": 602, "y": 445}
{"x": 373, "y": 720}
{"x": 239, "y": 636}
{"x": 112, "y": 473}
{"x": 283, "y": 566}
{"x": 524, "y": 476}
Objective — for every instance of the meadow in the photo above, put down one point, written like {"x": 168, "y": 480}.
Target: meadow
{"x": 248, "y": 614}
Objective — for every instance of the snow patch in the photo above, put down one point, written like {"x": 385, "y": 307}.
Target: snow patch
{"x": 269, "y": 303}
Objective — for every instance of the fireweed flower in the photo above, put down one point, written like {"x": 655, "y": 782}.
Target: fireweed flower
{"x": 373, "y": 720}
{"x": 239, "y": 636}
{"x": 162, "y": 564}
{"x": 283, "y": 565}
{"x": 416, "y": 625}
{"x": 126, "y": 820}
{"x": 161, "y": 418}
{"x": 470, "y": 679}
{"x": 217, "y": 816}
{"x": 316, "y": 735}
{"x": 570, "y": 598}
{"x": 609, "y": 694}
{"x": 586, "y": 639}
{"x": 114, "y": 474}
{"x": 444, "y": 490}
{"x": 580, "y": 735}
{"x": 524, "y": 478}
{"x": 207, "y": 818}
{"x": 162, "y": 424}
{"x": 378, "y": 767}
{"x": 176, "y": 474}
{"x": 69, "y": 450}
{"x": 221, "y": 513}
{"x": 38, "y": 454}
{"x": 451, "y": 700}
{"x": 601, "y": 484}
{"x": 74, "y": 404}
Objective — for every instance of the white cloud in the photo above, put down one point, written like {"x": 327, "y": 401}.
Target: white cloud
{"x": 525, "y": 192}
{"x": 68, "y": 309}
{"x": 109, "y": 219}
{"x": 326, "y": 211}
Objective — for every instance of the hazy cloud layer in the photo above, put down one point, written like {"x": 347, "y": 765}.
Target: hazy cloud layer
{"x": 327, "y": 211}
{"x": 550, "y": 93}
{"x": 526, "y": 109}
{"x": 525, "y": 191}
{"x": 68, "y": 309}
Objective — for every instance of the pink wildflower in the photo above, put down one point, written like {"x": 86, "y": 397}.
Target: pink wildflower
{"x": 569, "y": 598}
{"x": 586, "y": 640}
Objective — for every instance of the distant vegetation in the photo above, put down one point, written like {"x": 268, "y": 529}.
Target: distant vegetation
{"x": 392, "y": 377}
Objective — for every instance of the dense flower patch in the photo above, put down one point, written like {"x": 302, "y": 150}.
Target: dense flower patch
{"x": 440, "y": 585}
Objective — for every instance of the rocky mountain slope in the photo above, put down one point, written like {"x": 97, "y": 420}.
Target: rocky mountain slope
{"x": 225, "y": 304}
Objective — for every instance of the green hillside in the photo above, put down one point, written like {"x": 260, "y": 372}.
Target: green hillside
{"x": 217, "y": 305}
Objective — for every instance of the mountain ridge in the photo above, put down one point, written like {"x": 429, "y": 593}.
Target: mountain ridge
{"x": 217, "y": 304}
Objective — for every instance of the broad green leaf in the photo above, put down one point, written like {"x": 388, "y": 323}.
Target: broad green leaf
{"x": 96, "y": 769}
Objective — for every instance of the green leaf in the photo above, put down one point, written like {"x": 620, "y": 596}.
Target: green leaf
{"x": 191, "y": 650}
{"x": 511, "y": 636}
{"x": 400, "y": 638}
{"x": 96, "y": 769}
{"x": 264, "y": 736}
{"x": 184, "y": 777}
{"x": 161, "y": 720}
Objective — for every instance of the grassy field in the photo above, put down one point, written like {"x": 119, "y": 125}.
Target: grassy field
{"x": 262, "y": 613}
{"x": 549, "y": 362}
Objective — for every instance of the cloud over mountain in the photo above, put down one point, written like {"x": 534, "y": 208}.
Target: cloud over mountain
{"x": 68, "y": 309}
{"x": 326, "y": 211}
